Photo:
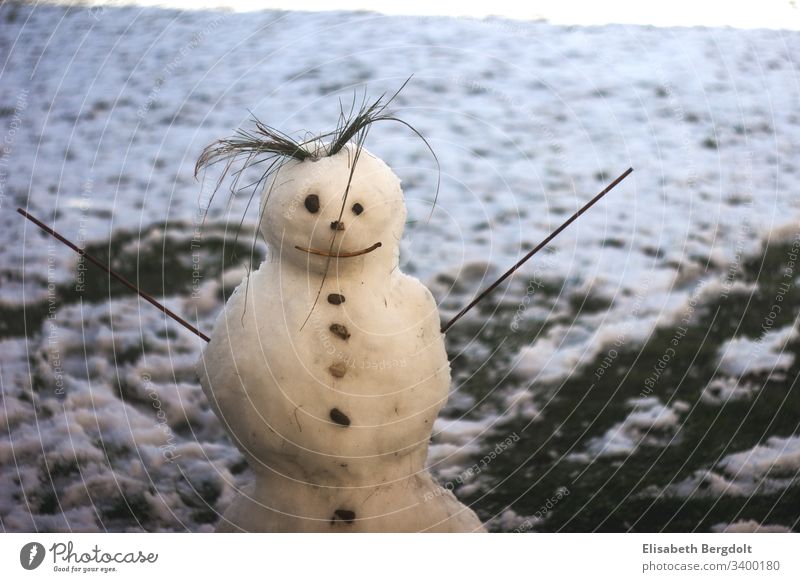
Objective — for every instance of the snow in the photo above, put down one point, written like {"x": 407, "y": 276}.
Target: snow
{"x": 741, "y": 356}
{"x": 549, "y": 360}
{"x": 779, "y": 456}
{"x": 769, "y": 14}
{"x": 728, "y": 389}
{"x": 565, "y": 349}
{"x": 105, "y": 110}
{"x": 649, "y": 423}
{"x": 749, "y": 526}
{"x": 455, "y": 442}
{"x": 510, "y": 521}
{"x": 765, "y": 469}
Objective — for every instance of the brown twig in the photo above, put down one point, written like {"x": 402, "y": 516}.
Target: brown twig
{"x": 539, "y": 247}
{"x": 339, "y": 255}
{"x": 117, "y": 276}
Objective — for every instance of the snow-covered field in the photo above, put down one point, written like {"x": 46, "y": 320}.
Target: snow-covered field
{"x": 645, "y": 363}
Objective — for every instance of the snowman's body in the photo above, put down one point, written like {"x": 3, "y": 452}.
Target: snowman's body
{"x": 333, "y": 410}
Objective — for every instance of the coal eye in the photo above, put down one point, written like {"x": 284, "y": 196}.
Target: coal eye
{"x": 312, "y": 203}
{"x": 357, "y": 208}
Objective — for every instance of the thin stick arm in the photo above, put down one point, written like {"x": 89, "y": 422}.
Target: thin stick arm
{"x": 538, "y": 247}
{"x": 117, "y": 276}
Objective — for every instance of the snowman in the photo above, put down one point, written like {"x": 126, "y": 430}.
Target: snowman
{"x": 327, "y": 366}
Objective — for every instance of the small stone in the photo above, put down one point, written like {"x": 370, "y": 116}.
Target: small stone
{"x": 335, "y": 299}
{"x": 344, "y": 515}
{"x": 339, "y": 330}
{"x": 338, "y": 370}
{"x": 339, "y": 417}
{"x": 312, "y": 203}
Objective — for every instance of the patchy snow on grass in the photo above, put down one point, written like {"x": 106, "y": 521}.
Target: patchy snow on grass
{"x": 728, "y": 389}
{"x": 767, "y": 354}
{"x": 748, "y": 526}
{"x": 455, "y": 442}
{"x": 650, "y": 423}
{"x": 566, "y": 349}
{"x": 777, "y": 458}
{"x": 510, "y": 521}
{"x": 556, "y": 355}
{"x": 763, "y": 470}
{"x": 527, "y": 126}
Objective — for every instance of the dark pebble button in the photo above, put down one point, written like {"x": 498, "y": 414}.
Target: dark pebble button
{"x": 339, "y": 417}
{"x": 312, "y": 203}
{"x": 335, "y": 299}
{"x": 345, "y": 515}
{"x": 338, "y": 370}
{"x": 339, "y": 330}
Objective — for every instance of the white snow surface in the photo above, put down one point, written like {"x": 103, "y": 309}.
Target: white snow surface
{"x": 105, "y": 111}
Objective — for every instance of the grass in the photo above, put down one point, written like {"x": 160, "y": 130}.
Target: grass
{"x": 127, "y": 508}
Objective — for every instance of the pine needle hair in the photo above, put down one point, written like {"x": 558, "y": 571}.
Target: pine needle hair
{"x": 269, "y": 148}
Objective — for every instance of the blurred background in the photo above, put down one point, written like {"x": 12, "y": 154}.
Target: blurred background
{"x": 640, "y": 375}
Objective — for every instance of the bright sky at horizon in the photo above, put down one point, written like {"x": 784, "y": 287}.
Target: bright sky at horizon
{"x": 773, "y": 14}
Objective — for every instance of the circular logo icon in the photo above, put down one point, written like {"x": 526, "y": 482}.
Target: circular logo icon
{"x": 31, "y": 555}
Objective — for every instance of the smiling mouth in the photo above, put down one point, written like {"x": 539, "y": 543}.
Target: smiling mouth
{"x": 339, "y": 255}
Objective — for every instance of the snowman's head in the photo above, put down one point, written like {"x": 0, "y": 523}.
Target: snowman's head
{"x": 340, "y": 212}
{"x": 328, "y": 202}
